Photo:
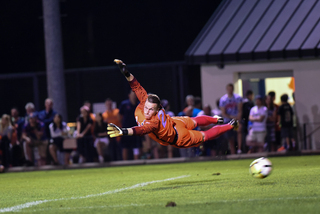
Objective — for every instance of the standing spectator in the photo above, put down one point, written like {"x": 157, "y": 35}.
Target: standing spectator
{"x": 111, "y": 115}
{"x": 246, "y": 107}
{"x": 102, "y": 138}
{"x": 89, "y": 105}
{"x": 258, "y": 116}
{"x": 285, "y": 118}
{"x": 217, "y": 146}
{"x": 46, "y": 116}
{"x": 231, "y": 108}
{"x": 34, "y": 136}
{"x": 127, "y": 109}
{"x": 272, "y": 94}
{"x": 166, "y": 105}
{"x": 271, "y": 122}
{"x": 92, "y": 115}
{"x": 58, "y": 131}
{"x": 84, "y": 136}
{"x": 6, "y": 130}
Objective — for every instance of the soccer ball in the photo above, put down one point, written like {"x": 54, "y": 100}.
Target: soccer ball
{"x": 260, "y": 168}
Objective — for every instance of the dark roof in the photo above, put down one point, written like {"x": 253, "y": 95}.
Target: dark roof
{"x": 247, "y": 30}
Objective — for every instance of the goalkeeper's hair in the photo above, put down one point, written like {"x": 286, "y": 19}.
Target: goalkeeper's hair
{"x": 153, "y": 98}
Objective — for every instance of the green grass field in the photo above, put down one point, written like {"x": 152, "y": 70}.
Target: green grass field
{"x": 293, "y": 187}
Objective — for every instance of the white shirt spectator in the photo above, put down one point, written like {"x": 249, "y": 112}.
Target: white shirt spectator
{"x": 257, "y": 112}
{"x": 58, "y": 131}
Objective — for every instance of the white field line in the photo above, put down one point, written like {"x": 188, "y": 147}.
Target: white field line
{"x": 194, "y": 202}
{"x": 34, "y": 203}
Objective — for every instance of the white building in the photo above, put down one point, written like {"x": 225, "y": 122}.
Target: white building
{"x": 253, "y": 43}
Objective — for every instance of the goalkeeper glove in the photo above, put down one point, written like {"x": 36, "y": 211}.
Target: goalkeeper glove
{"x": 115, "y": 131}
{"x": 123, "y": 67}
{"x": 219, "y": 119}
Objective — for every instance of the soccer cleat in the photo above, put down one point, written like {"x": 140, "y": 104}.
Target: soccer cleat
{"x": 122, "y": 67}
{"x": 219, "y": 119}
{"x": 234, "y": 123}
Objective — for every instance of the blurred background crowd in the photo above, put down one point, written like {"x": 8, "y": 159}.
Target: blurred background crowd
{"x": 42, "y": 137}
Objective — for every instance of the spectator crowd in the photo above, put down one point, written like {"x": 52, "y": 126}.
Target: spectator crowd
{"x": 40, "y": 137}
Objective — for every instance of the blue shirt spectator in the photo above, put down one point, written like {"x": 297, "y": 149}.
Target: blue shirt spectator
{"x": 46, "y": 116}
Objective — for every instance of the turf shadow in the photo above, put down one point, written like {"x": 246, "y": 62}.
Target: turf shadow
{"x": 267, "y": 183}
{"x": 199, "y": 182}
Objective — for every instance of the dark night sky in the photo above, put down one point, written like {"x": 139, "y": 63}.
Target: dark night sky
{"x": 95, "y": 32}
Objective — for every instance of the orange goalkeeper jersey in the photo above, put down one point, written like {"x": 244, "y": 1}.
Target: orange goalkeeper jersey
{"x": 160, "y": 127}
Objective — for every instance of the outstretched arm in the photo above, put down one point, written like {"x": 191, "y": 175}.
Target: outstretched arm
{"x": 123, "y": 69}
{"x": 133, "y": 82}
{"x": 115, "y": 131}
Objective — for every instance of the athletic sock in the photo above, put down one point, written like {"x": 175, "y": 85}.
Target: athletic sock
{"x": 81, "y": 159}
{"x": 101, "y": 159}
{"x": 216, "y": 131}
{"x": 205, "y": 120}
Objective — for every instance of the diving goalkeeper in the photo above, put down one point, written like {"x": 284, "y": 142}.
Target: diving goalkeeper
{"x": 166, "y": 130}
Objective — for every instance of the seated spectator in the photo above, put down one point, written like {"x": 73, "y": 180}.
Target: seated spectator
{"x": 58, "y": 131}
{"x": 150, "y": 148}
{"x": 84, "y": 136}
{"x": 34, "y": 136}
{"x": 102, "y": 139}
{"x": 197, "y": 106}
{"x": 29, "y": 109}
{"x": 6, "y": 130}
{"x": 188, "y": 110}
{"x": 17, "y": 121}
{"x": 256, "y": 136}
{"x": 17, "y": 157}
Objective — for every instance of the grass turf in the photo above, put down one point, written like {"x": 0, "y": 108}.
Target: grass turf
{"x": 293, "y": 187}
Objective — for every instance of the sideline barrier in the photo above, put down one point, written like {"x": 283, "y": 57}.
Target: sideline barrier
{"x": 164, "y": 161}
